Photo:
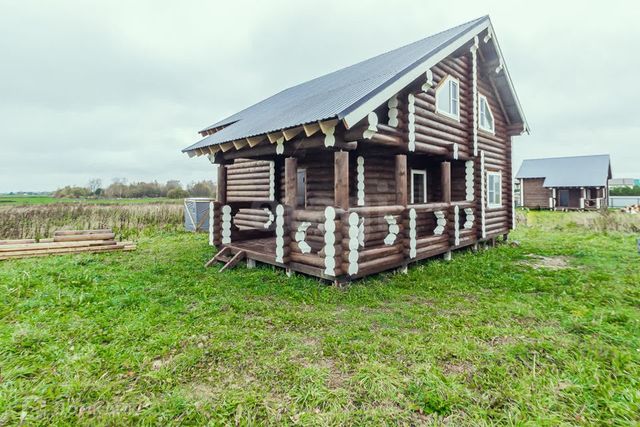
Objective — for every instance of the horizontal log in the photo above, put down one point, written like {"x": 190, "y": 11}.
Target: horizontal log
{"x": 78, "y": 232}
{"x": 53, "y": 245}
{"x": 378, "y": 210}
{"x": 16, "y": 241}
{"x": 85, "y": 237}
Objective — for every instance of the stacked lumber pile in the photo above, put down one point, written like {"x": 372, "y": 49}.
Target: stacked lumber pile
{"x": 64, "y": 242}
{"x": 633, "y": 209}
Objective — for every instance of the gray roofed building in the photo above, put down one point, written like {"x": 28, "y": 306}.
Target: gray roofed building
{"x": 578, "y": 171}
{"x": 351, "y": 93}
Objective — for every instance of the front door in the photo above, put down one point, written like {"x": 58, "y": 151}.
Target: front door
{"x": 563, "y": 198}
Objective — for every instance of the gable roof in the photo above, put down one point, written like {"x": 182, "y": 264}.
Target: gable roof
{"x": 351, "y": 93}
{"x": 579, "y": 171}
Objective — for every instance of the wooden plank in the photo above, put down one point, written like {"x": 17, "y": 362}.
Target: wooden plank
{"x": 54, "y": 245}
{"x": 341, "y": 179}
{"x": 84, "y": 237}
{"x": 290, "y": 181}
{"x": 234, "y": 261}
{"x": 16, "y": 241}
{"x": 75, "y": 232}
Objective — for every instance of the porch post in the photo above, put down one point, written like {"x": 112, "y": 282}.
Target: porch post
{"x": 583, "y": 195}
{"x": 290, "y": 181}
{"x": 341, "y": 179}
{"x": 445, "y": 174}
{"x": 401, "y": 180}
{"x": 221, "y": 195}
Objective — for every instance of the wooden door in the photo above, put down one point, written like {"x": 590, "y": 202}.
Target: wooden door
{"x": 563, "y": 198}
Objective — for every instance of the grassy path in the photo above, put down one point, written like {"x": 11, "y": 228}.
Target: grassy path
{"x": 494, "y": 337}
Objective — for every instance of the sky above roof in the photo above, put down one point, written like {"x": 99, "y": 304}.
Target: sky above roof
{"x": 117, "y": 89}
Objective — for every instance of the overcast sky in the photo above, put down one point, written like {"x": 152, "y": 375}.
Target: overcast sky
{"x": 117, "y": 88}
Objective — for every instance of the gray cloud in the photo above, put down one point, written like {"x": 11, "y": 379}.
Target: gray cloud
{"x": 116, "y": 89}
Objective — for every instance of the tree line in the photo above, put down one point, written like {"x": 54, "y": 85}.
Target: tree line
{"x": 120, "y": 189}
{"x": 625, "y": 191}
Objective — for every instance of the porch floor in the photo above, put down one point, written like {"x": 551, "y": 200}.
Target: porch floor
{"x": 263, "y": 249}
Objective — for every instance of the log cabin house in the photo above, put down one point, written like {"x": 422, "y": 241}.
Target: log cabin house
{"x": 565, "y": 183}
{"x": 392, "y": 160}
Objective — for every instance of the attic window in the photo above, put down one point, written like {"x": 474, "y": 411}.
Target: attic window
{"x": 448, "y": 98}
{"x": 486, "y": 116}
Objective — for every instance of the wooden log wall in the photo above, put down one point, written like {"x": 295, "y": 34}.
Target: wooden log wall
{"x": 536, "y": 196}
{"x": 496, "y": 148}
{"x": 376, "y": 180}
{"x": 372, "y": 239}
{"x": 248, "y": 180}
{"x": 434, "y": 130}
{"x": 315, "y": 237}
{"x": 320, "y": 180}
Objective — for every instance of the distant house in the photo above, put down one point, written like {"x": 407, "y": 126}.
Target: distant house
{"x": 565, "y": 182}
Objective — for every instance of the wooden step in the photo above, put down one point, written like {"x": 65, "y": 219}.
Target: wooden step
{"x": 234, "y": 261}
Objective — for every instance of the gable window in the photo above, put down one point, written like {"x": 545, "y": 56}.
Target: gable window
{"x": 485, "y": 115}
{"x": 418, "y": 186}
{"x": 448, "y": 98}
{"x": 494, "y": 189}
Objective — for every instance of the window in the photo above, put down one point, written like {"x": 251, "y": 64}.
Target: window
{"x": 448, "y": 98}
{"x": 486, "y": 116}
{"x": 494, "y": 189}
{"x": 301, "y": 190}
{"x": 418, "y": 186}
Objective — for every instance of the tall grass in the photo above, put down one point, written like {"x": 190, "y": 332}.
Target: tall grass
{"x": 40, "y": 221}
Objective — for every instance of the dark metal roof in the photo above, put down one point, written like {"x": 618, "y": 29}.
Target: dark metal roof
{"x": 579, "y": 171}
{"x": 336, "y": 94}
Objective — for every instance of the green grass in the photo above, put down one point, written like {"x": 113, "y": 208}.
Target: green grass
{"x": 151, "y": 337}
{"x": 6, "y": 200}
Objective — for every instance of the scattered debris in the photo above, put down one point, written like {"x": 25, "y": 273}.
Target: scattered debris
{"x": 632, "y": 209}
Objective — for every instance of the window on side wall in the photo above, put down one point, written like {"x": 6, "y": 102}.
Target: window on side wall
{"x": 485, "y": 115}
{"x": 494, "y": 189}
{"x": 418, "y": 186}
{"x": 448, "y": 98}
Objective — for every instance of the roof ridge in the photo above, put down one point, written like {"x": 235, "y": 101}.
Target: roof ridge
{"x": 473, "y": 21}
{"x": 568, "y": 157}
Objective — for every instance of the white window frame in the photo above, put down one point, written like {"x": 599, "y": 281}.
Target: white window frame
{"x": 424, "y": 182}
{"x": 445, "y": 84}
{"x": 497, "y": 174}
{"x": 488, "y": 110}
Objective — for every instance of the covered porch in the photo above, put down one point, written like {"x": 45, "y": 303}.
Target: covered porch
{"x": 340, "y": 215}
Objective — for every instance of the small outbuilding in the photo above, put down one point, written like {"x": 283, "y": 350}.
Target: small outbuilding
{"x": 578, "y": 182}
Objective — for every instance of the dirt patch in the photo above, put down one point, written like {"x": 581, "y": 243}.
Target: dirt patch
{"x": 547, "y": 262}
{"x": 459, "y": 367}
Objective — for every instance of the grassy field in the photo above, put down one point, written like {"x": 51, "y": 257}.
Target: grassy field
{"x": 546, "y": 332}
{"x": 6, "y": 200}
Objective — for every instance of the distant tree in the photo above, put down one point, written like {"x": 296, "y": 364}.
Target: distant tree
{"x": 202, "y": 189}
{"x": 625, "y": 191}
{"x": 177, "y": 193}
{"x": 72, "y": 192}
{"x": 94, "y": 185}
